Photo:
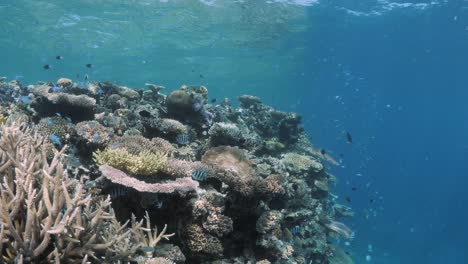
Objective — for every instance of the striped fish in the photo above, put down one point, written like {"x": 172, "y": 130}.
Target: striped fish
{"x": 199, "y": 175}
{"x": 296, "y": 230}
{"x": 182, "y": 139}
{"x": 118, "y": 191}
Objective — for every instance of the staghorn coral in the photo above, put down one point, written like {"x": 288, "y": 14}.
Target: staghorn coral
{"x": 45, "y": 216}
{"x": 147, "y": 236}
{"x": 145, "y": 163}
{"x": 119, "y": 177}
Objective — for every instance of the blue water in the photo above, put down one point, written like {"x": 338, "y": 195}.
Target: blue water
{"x": 393, "y": 74}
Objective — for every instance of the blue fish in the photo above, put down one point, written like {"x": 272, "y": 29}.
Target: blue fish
{"x": 26, "y": 100}
{"x": 96, "y": 138}
{"x": 55, "y": 140}
{"x": 58, "y": 114}
{"x": 68, "y": 119}
{"x": 296, "y": 230}
{"x": 55, "y": 88}
{"x": 199, "y": 175}
{"x": 50, "y": 122}
{"x": 182, "y": 139}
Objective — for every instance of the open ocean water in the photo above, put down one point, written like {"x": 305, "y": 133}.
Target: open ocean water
{"x": 394, "y": 74}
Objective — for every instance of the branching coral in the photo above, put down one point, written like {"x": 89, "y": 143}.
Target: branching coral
{"x": 145, "y": 163}
{"x": 47, "y": 216}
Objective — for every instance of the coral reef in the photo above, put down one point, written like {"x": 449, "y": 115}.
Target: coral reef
{"x": 93, "y": 165}
{"x": 46, "y": 216}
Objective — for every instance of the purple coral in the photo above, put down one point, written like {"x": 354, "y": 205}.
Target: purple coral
{"x": 200, "y": 107}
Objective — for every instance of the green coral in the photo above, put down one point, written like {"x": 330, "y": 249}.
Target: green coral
{"x": 274, "y": 145}
{"x": 145, "y": 163}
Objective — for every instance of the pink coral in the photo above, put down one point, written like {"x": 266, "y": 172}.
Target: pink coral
{"x": 120, "y": 177}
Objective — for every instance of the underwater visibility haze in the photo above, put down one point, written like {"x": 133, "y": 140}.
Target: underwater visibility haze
{"x": 209, "y": 131}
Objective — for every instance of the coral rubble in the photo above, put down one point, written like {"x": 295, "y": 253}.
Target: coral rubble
{"x": 85, "y": 169}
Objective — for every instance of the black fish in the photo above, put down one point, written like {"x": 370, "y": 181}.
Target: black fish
{"x": 348, "y": 199}
{"x": 89, "y": 65}
{"x": 371, "y": 200}
{"x": 59, "y": 57}
{"x": 86, "y": 77}
{"x": 349, "y": 138}
{"x": 47, "y": 66}
{"x": 354, "y": 188}
{"x": 201, "y": 76}
{"x": 213, "y": 100}
{"x": 322, "y": 151}
{"x": 347, "y": 253}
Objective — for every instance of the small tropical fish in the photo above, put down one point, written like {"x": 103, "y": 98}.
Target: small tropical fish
{"x": 55, "y": 88}
{"x": 86, "y": 77}
{"x": 213, "y": 100}
{"x": 68, "y": 119}
{"x": 97, "y": 138}
{"x": 55, "y": 140}
{"x": 354, "y": 188}
{"x": 26, "y": 100}
{"x": 89, "y": 65}
{"x": 323, "y": 152}
{"x": 59, "y": 57}
{"x": 371, "y": 200}
{"x": 199, "y": 175}
{"x": 296, "y": 230}
{"x": 117, "y": 191}
{"x": 348, "y": 199}
{"x": 58, "y": 114}
{"x": 349, "y": 138}
{"x": 182, "y": 139}
{"x": 201, "y": 76}
{"x": 50, "y": 122}
{"x": 2, "y": 120}
{"x": 47, "y": 66}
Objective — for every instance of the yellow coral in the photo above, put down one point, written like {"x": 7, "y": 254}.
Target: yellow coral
{"x": 145, "y": 163}
{"x": 297, "y": 161}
